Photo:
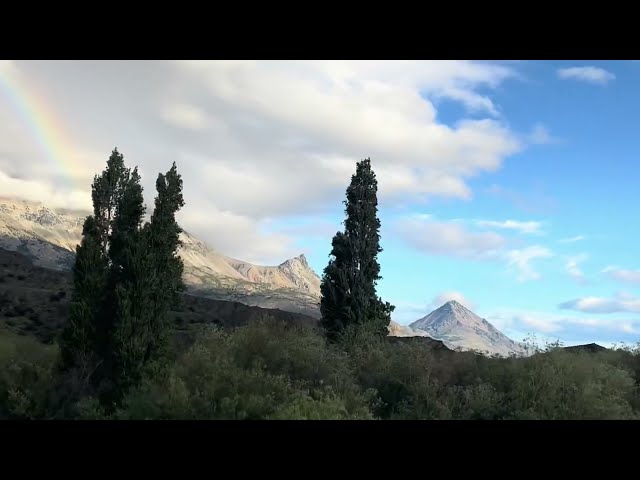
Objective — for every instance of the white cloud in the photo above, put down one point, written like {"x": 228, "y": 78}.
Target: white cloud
{"x": 185, "y": 116}
{"x": 239, "y": 237}
{"x": 589, "y": 74}
{"x": 540, "y": 135}
{"x": 568, "y": 327}
{"x": 623, "y": 275}
{"x": 529, "y": 227}
{"x": 540, "y": 323}
{"x": 521, "y": 259}
{"x": 452, "y": 238}
{"x": 444, "y": 297}
{"x": 260, "y": 140}
{"x": 572, "y": 267}
{"x": 408, "y": 312}
{"x": 38, "y": 191}
{"x": 346, "y": 110}
{"x": 446, "y": 238}
{"x": 621, "y": 303}
{"x": 577, "y": 238}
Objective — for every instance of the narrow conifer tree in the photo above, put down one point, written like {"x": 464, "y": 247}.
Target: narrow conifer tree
{"x": 78, "y": 340}
{"x": 152, "y": 284}
{"x": 349, "y": 282}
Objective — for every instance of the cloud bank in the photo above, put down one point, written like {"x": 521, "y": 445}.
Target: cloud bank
{"x": 258, "y": 140}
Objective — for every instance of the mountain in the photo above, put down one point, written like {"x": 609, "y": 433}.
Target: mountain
{"x": 35, "y": 301}
{"x": 48, "y": 237}
{"x": 460, "y": 328}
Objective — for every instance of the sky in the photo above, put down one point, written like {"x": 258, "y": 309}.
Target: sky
{"x": 509, "y": 186}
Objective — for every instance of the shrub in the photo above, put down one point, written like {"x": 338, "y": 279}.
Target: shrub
{"x": 261, "y": 371}
{"x": 560, "y": 385}
{"x": 274, "y": 370}
{"x": 26, "y": 376}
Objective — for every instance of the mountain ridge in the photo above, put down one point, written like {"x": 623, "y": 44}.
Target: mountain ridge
{"x": 48, "y": 237}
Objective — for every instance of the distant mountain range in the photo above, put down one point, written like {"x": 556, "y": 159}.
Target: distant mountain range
{"x": 48, "y": 237}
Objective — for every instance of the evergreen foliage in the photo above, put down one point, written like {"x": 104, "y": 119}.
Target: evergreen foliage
{"x": 348, "y": 288}
{"x": 127, "y": 276}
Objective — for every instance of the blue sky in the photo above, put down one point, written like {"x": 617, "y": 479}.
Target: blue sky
{"x": 575, "y": 188}
{"x": 509, "y": 186}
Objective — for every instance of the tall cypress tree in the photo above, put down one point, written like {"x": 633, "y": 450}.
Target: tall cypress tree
{"x": 349, "y": 281}
{"x": 151, "y": 284}
{"x": 78, "y": 340}
{"x": 118, "y": 206}
{"x": 129, "y": 288}
{"x": 164, "y": 236}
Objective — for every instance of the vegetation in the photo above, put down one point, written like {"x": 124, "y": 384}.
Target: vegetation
{"x": 111, "y": 361}
{"x": 126, "y": 277}
{"x": 268, "y": 370}
{"x": 348, "y": 288}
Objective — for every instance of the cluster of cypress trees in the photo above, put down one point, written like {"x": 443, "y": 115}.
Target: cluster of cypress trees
{"x": 127, "y": 276}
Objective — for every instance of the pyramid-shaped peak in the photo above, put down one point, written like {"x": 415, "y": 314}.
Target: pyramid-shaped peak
{"x": 456, "y": 325}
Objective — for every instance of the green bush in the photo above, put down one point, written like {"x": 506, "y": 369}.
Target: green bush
{"x": 266, "y": 370}
{"x": 26, "y": 376}
{"x": 272, "y": 370}
{"x": 562, "y": 385}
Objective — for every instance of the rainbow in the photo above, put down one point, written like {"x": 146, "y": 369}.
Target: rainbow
{"x": 39, "y": 118}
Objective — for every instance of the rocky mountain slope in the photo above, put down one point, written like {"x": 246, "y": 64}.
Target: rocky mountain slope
{"x": 35, "y": 301}
{"x": 460, "y": 328}
{"x": 48, "y": 237}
